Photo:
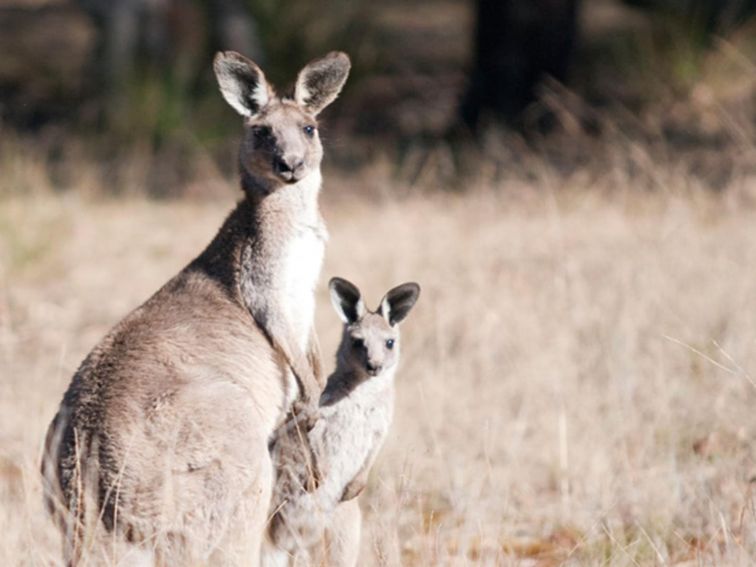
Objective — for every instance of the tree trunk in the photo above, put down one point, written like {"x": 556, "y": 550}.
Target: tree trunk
{"x": 517, "y": 42}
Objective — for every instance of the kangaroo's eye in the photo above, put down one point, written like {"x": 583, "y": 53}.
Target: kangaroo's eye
{"x": 358, "y": 343}
{"x": 390, "y": 344}
{"x": 309, "y": 130}
{"x": 261, "y": 132}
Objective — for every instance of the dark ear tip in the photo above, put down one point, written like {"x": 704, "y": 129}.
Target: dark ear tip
{"x": 232, "y": 57}
{"x": 336, "y": 283}
{"x": 413, "y": 287}
{"x": 224, "y": 55}
{"x": 222, "y": 58}
{"x": 341, "y": 58}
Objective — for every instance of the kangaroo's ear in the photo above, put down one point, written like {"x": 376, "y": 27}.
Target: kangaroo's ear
{"x": 398, "y": 302}
{"x": 320, "y": 82}
{"x": 242, "y": 83}
{"x": 346, "y": 300}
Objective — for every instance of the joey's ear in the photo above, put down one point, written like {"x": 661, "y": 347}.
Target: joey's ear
{"x": 241, "y": 82}
{"x": 398, "y": 302}
{"x": 346, "y": 300}
{"x": 320, "y": 82}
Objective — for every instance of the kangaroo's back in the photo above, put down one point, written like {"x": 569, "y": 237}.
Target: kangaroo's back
{"x": 142, "y": 413}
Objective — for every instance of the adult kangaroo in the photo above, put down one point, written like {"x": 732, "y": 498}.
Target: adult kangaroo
{"x": 159, "y": 451}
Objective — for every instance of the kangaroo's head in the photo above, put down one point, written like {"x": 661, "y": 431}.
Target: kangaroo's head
{"x": 281, "y": 144}
{"x": 370, "y": 342}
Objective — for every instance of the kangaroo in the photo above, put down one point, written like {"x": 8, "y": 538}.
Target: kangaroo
{"x": 161, "y": 440}
{"x": 356, "y": 409}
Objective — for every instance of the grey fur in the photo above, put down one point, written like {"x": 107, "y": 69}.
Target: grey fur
{"x": 162, "y": 437}
{"x": 356, "y": 411}
{"x": 320, "y": 82}
{"x": 241, "y": 82}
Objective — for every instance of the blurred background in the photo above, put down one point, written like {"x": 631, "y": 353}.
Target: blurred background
{"x": 440, "y": 89}
{"x": 572, "y": 182}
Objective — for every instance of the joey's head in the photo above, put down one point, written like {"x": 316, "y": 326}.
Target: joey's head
{"x": 370, "y": 342}
{"x": 281, "y": 143}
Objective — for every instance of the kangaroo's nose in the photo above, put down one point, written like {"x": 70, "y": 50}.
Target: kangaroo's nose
{"x": 287, "y": 166}
{"x": 373, "y": 369}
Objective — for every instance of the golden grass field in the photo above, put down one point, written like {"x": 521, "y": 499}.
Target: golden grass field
{"x": 578, "y": 379}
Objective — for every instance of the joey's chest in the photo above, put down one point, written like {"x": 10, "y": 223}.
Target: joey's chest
{"x": 351, "y": 431}
{"x": 344, "y": 440}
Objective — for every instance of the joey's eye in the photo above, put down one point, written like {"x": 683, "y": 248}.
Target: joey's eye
{"x": 358, "y": 343}
{"x": 390, "y": 344}
{"x": 309, "y": 130}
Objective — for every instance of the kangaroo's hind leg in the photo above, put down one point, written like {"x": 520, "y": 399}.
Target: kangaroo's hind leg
{"x": 244, "y": 537}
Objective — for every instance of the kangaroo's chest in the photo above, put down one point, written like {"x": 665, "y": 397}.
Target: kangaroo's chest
{"x": 301, "y": 262}
{"x": 345, "y": 437}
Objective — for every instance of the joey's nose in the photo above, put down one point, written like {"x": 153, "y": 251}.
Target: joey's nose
{"x": 373, "y": 369}
{"x": 288, "y": 167}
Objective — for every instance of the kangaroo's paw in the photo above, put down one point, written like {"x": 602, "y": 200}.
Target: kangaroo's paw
{"x": 306, "y": 413}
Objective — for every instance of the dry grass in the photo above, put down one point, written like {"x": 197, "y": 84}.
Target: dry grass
{"x": 578, "y": 378}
